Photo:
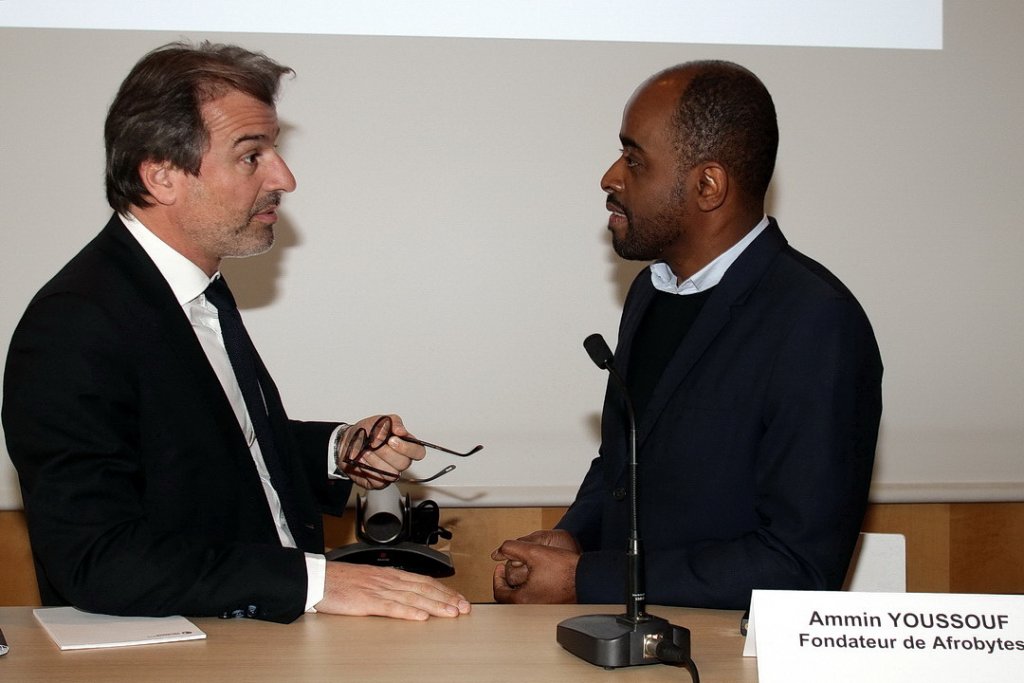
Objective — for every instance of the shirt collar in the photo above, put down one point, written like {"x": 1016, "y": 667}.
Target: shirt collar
{"x": 187, "y": 280}
{"x": 710, "y": 275}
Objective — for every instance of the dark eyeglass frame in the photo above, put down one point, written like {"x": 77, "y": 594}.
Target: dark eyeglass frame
{"x": 360, "y": 443}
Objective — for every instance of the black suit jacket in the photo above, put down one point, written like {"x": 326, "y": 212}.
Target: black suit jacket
{"x": 140, "y": 492}
{"x": 755, "y": 450}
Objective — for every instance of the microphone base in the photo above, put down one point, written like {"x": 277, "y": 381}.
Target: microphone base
{"x": 615, "y": 641}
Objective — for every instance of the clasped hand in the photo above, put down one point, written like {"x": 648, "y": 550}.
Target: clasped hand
{"x": 537, "y": 568}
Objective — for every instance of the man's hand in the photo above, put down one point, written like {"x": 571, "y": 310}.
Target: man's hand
{"x": 394, "y": 457}
{"x": 538, "y": 568}
{"x": 363, "y": 590}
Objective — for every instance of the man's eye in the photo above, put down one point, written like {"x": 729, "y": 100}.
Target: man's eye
{"x": 251, "y": 159}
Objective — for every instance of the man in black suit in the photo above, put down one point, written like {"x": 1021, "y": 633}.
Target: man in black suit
{"x": 754, "y": 373}
{"x": 159, "y": 471}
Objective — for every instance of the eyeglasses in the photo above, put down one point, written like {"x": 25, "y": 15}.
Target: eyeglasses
{"x": 361, "y": 443}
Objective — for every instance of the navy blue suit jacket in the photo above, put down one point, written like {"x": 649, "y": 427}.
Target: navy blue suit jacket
{"x": 140, "y": 492}
{"x": 755, "y": 450}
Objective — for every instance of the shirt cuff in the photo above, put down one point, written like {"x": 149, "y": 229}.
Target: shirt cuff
{"x": 316, "y": 578}
{"x": 333, "y": 471}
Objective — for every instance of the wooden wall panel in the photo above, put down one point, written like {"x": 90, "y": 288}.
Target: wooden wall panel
{"x": 989, "y": 542}
{"x": 955, "y": 547}
{"x": 17, "y": 574}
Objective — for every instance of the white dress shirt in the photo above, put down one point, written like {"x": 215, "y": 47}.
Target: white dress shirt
{"x": 710, "y": 275}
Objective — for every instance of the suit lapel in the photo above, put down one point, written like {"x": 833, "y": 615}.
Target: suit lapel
{"x": 640, "y": 296}
{"x": 160, "y": 311}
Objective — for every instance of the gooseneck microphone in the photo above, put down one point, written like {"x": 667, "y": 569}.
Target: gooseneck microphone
{"x": 633, "y": 638}
{"x": 636, "y": 597}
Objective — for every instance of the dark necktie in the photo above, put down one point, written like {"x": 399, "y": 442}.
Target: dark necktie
{"x": 244, "y": 362}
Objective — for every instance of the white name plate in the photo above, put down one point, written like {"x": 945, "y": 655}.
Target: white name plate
{"x": 814, "y": 636}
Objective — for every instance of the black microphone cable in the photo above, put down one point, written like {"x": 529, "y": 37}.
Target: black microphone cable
{"x": 670, "y": 653}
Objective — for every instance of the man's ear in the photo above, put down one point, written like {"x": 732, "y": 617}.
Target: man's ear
{"x": 712, "y": 186}
{"x": 162, "y": 181}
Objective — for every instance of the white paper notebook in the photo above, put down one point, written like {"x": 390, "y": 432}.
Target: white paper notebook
{"x": 73, "y": 629}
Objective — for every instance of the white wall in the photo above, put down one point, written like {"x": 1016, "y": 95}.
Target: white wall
{"x": 445, "y": 253}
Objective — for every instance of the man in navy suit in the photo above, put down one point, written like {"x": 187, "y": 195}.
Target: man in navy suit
{"x": 754, "y": 373}
{"x": 158, "y": 477}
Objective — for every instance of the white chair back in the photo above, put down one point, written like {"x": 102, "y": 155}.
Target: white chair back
{"x": 879, "y": 564}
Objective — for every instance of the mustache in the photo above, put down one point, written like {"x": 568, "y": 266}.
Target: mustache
{"x": 611, "y": 201}
{"x": 271, "y": 201}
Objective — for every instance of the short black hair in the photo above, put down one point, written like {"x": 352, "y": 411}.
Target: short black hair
{"x": 156, "y": 114}
{"x": 726, "y": 114}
